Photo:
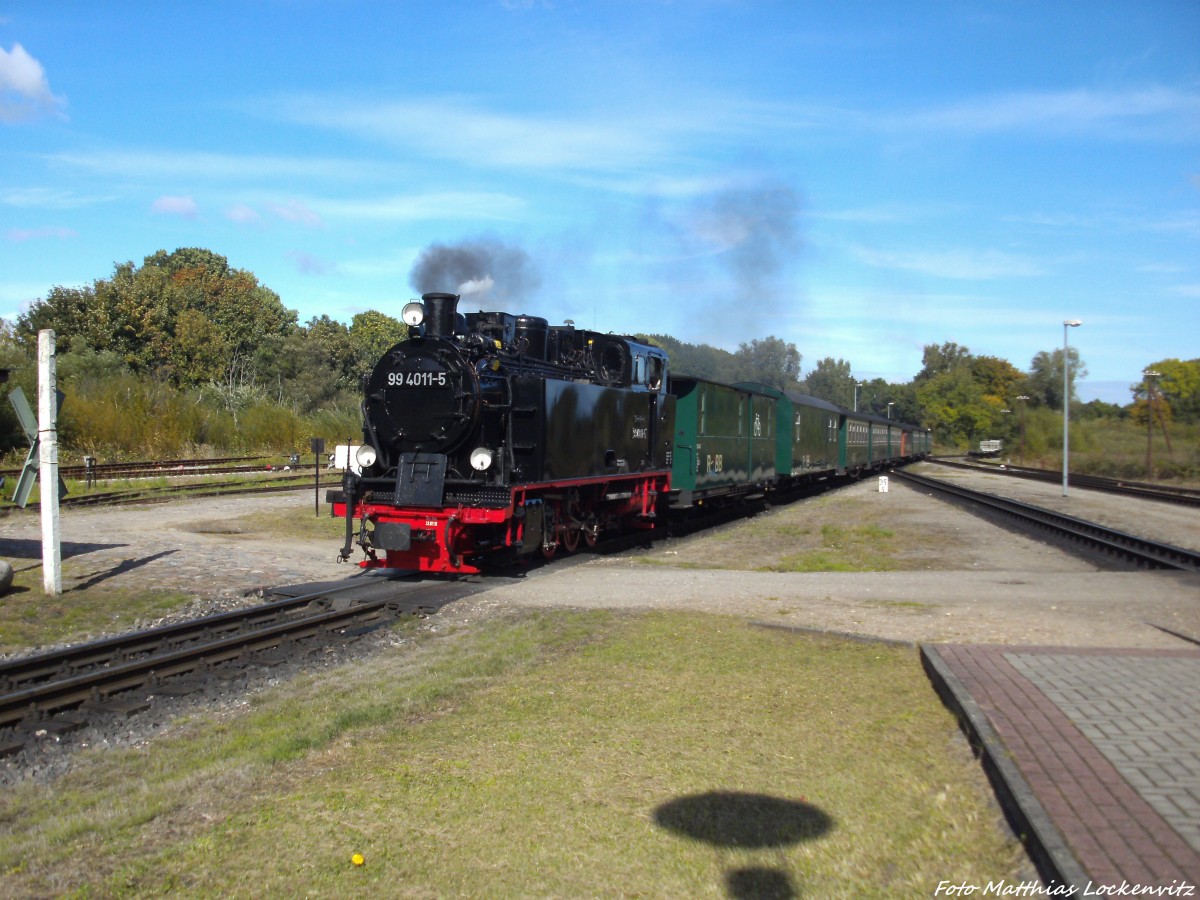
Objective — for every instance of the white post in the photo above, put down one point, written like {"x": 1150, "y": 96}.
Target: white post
{"x": 48, "y": 462}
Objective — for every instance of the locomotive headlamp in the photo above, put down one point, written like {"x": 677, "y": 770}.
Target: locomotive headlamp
{"x": 481, "y": 459}
{"x": 413, "y": 314}
{"x": 365, "y": 456}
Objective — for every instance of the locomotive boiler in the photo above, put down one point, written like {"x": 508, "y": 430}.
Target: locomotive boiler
{"x": 498, "y": 435}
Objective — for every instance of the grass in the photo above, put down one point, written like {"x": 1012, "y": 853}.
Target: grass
{"x": 862, "y": 548}
{"x": 296, "y": 522}
{"x": 565, "y": 754}
{"x": 90, "y": 605}
{"x": 31, "y": 618}
{"x": 812, "y": 536}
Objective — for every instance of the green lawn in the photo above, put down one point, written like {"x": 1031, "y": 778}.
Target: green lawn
{"x": 541, "y": 754}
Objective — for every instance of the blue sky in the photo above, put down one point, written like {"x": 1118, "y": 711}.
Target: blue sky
{"x": 858, "y": 178}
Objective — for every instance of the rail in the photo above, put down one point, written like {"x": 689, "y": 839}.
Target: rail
{"x": 1165, "y": 493}
{"x": 1098, "y": 538}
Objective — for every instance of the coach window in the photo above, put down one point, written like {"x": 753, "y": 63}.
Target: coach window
{"x": 639, "y": 370}
{"x": 703, "y": 411}
{"x": 741, "y": 416}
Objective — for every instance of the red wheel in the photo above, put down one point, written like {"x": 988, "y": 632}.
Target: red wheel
{"x": 571, "y": 539}
{"x": 548, "y": 550}
{"x": 591, "y": 538}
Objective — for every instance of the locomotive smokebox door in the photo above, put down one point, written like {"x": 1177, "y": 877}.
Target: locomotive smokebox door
{"x": 420, "y": 479}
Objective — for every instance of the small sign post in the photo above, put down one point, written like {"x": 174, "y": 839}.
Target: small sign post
{"x": 318, "y": 447}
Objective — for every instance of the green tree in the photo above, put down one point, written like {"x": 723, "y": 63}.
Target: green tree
{"x": 831, "y": 380}
{"x": 1044, "y": 386}
{"x": 1178, "y": 383}
{"x": 696, "y": 360}
{"x": 182, "y": 315}
{"x": 771, "y": 361}
{"x": 371, "y": 335}
{"x": 954, "y": 406}
{"x": 937, "y": 359}
{"x": 996, "y": 377}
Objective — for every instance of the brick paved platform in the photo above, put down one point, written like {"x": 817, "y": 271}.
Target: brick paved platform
{"x": 1094, "y": 753}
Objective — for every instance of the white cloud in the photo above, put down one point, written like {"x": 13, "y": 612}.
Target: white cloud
{"x": 308, "y": 264}
{"x": 459, "y": 130}
{"x": 295, "y": 211}
{"x": 49, "y": 198}
{"x": 958, "y": 264}
{"x": 1156, "y": 112}
{"x": 243, "y": 214}
{"x": 176, "y": 206}
{"x": 217, "y": 166}
{"x": 415, "y": 207}
{"x": 24, "y": 90}
{"x": 30, "y": 234}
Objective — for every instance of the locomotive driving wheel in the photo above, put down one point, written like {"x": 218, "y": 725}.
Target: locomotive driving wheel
{"x": 570, "y": 538}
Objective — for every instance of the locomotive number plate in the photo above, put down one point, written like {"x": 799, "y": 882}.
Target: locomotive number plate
{"x": 417, "y": 379}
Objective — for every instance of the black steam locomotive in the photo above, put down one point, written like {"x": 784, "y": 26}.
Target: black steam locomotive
{"x": 493, "y": 433}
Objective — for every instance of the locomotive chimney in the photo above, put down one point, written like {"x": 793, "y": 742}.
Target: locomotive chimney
{"x": 441, "y": 309}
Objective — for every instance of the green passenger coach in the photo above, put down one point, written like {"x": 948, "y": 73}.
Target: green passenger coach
{"x": 725, "y": 441}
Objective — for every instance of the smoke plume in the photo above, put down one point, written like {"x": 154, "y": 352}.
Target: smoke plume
{"x": 755, "y": 231}
{"x": 484, "y": 267}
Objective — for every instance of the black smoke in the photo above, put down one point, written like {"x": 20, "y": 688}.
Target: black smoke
{"x": 754, "y": 232}
{"x": 476, "y": 268}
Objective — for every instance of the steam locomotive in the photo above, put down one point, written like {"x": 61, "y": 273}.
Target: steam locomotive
{"x": 496, "y": 436}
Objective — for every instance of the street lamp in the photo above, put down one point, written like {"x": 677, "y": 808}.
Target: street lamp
{"x": 857, "y": 385}
{"x": 1067, "y": 323}
{"x": 1150, "y": 376}
{"x": 891, "y": 403}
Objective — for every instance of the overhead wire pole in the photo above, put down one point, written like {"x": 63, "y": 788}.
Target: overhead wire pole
{"x": 48, "y": 462}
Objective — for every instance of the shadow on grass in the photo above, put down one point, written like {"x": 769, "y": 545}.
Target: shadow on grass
{"x": 125, "y": 565}
{"x": 23, "y": 548}
{"x": 750, "y": 821}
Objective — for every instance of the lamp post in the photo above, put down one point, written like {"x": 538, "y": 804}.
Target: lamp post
{"x": 857, "y": 385}
{"x": 891, "y": 403}
{"x": 1150, "y": 376}
{"x": 1067, "y": 323}
{"x": 1022, "y": 400}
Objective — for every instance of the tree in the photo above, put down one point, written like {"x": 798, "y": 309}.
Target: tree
{"x": 1044, "y": 386}
{"x": 771, "y": 361}
{"x": 831, "y": 380}
{"x": 1178, "y": 383}
{"x": 182, "y": 315}
{"x": 696, "y": 360}
{"x": 371, "y": 335}
{"x": 955, "y": 407}
{"x": 939, "y": 359}
{"x": 996, "y": 377}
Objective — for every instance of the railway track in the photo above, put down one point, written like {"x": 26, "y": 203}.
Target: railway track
{"x": 63, "y": 690}
{"x": 142, "y": 496}
{"x": 1165, "y": 493}
{"x": 156, "y": 468}
{"x": 1097, "y": 539}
